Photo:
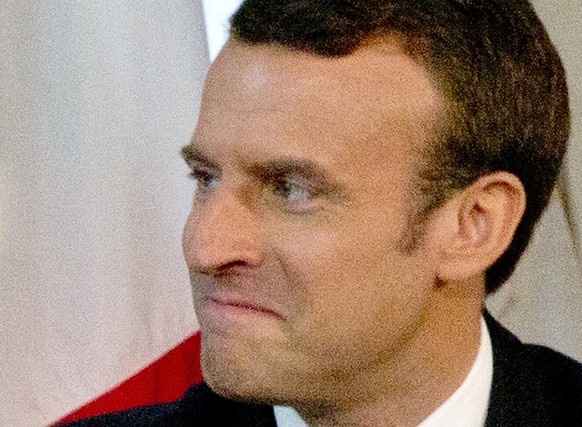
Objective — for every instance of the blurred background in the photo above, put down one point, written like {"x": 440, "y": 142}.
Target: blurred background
{"x": 96, "y": 99}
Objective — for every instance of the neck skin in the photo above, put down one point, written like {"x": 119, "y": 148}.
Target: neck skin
{"x": 433, "y": 363}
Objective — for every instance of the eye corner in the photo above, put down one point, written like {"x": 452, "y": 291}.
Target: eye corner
{"x": 205, "y": 177}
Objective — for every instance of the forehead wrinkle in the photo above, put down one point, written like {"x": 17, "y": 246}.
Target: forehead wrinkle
{"x": 272, "y": 130}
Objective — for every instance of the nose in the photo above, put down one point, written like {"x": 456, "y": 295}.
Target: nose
{"x": 221, "y": 232}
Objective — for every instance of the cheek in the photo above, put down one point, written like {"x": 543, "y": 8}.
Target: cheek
{"x": 186, "y": 236}
{"x": 361, "y": 296}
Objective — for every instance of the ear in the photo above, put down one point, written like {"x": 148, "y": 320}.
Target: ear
{"x": 477, "y": 225}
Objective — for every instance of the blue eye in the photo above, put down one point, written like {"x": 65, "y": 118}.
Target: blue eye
{"x": 292, "y": 192}
{"x": 205, "y": 179}
{"x": 294, "y": 197}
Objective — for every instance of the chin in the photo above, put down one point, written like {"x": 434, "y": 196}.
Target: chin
{"x": 234, "y": 391}
{"x": 261, "y": 384}
{"x": 237, "y": 377}
{"x": 234, "y": 388}
{"x": 245, "y": 370}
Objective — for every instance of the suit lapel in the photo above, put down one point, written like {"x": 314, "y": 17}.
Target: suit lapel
{"x": 517, "y": 396}
{"x": 252, "y": 416}
{"x": 204, "y": 408}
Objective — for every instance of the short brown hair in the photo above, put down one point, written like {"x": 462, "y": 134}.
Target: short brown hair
{"x": 501, "y": 77}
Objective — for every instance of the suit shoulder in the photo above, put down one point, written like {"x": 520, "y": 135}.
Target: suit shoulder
{"x": 559, "y": 381}
{"x": 532, "y": 385}
{"x": 176, "y": 413}
{"x": 199, "y": 406}
{"x": 559, "y": 370}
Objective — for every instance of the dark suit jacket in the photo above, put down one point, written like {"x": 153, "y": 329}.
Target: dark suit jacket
{"x": 532, "y": 386}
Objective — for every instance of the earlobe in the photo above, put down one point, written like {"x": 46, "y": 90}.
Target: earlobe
{"x": 479, "y": 224}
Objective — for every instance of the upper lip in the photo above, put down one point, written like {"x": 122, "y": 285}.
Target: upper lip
{"x": 235, "y": 301}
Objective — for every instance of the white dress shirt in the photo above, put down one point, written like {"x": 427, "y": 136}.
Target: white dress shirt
{"x": 466, "y": 407}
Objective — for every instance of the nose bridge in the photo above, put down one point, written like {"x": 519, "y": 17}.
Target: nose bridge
{"x": 222, "y": 230}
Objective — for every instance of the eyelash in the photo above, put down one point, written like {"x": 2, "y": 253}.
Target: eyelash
{"x": 283, "y": 185}
{"x": 203, "y": 178}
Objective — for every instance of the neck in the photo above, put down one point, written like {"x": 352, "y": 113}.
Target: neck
{"x": 420, "y": 376}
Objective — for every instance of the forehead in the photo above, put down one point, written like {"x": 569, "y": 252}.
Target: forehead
{"x": 302, "y": 101}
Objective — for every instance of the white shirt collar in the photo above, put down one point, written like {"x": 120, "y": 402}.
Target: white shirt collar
{"x": 466, "y": 407}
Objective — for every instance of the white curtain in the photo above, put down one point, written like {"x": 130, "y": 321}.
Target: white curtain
{"x": 96, "y": 99}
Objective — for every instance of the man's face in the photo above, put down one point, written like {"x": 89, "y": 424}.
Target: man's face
{"x": 305, "y": 168}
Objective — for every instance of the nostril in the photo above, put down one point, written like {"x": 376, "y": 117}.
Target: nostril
{"x": 226, "y": 269}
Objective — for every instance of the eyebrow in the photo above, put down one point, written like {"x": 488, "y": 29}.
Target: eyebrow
{"x": 192, "y": 155}
{"x": 276, "y": 169}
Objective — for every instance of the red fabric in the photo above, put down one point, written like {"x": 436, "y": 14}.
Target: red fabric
{"x": 164, "y": 380}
